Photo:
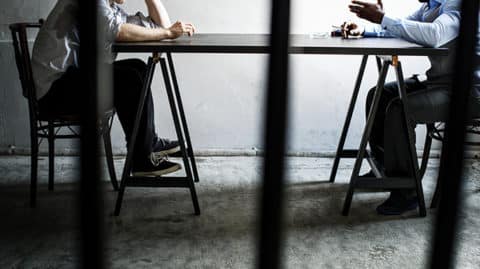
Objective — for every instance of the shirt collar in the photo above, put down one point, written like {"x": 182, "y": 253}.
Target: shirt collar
{"x": 434, "y": 3}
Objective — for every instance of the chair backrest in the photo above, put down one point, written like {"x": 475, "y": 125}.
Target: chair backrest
{"x": 22, "y": 59}
{"x": 437, "y": 131}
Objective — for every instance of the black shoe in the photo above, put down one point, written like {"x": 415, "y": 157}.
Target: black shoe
{"x": 156, "y": 167}
{"x": 163, "y": 147}
{"x": 397, "y": 205}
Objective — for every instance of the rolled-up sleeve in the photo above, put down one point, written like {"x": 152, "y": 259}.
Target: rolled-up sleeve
{"x": 109, "y": 22}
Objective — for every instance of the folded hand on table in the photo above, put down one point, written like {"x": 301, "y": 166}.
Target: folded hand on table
{"x": 352, "y": 29}
{"x": 179, "y": 28}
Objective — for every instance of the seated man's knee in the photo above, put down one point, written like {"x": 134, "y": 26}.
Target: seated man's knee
{"x": 134, "y": 65}
{"x": 139, "y": 65}
{"x": 394, "y": 111}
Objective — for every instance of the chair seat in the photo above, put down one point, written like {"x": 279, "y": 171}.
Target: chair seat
{"x": 60, "y": 118}
{"x": 73, "y": 119}
{"x": 437, "y": 132}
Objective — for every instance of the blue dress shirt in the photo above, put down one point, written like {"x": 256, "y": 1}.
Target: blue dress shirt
{"x": 434, "y": 24}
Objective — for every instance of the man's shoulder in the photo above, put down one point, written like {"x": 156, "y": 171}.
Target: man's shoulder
{"x": 452, "y": 5}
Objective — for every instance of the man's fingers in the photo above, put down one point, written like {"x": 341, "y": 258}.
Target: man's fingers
{"x": 379, "y": 2}
{"x": 356, "y": 31}
{"x": 361, "y": 15}
{"x": 191, "y": 25}
{"x": 361, "y": 3}
{"x": 355, "y": 8}
{"x": 185, "y": 28}
{"x": 188, "y": 29}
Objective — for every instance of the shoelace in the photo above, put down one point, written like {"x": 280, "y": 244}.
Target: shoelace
{"x": 156, "y": 160}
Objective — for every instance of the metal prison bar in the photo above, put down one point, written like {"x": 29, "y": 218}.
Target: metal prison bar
{"x": 275, "y": 138}
{"x": 451, "y": 163}
{"x": 91, "y": 203}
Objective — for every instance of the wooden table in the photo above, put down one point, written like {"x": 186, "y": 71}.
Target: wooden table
{"x": 387, "y": 51}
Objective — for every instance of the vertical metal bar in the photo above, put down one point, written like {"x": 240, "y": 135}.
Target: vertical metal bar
{"x": 365, "y": 137}
{"x": 127, "y": 168}
{"x": 411, "y": 139}
{"x": 34, "y": 163}
{"x": 379, "y": 63}
{"x": 176, "y": 88}
{"x": 90, "y": 190}
{"x": 348, "y": 119}
{"x": 108, "y": 153}
{"x": 51, "y": 155}
{"x": 426, "y": 150}
{"x": 436, "y": 195}
{"x": 275, "y": 129}
{"x": 451, "y": 163}
{"x": 181, "y": 140}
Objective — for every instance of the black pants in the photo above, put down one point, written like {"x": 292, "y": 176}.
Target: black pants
{"x": 66, "y": 97}
{"x": 388, "y": 140}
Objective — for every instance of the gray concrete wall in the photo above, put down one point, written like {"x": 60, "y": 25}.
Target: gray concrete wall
{"x": 224, "y": 94}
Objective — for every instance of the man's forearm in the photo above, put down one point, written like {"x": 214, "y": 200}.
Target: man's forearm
{"x": 431, "y": 34}
{"x": 131, "y": 32}
{"x": 158, "y": 13}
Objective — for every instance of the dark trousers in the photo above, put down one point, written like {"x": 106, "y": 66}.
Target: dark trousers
{"x": 66, "y": 97}
{"x": 388, "y": 140}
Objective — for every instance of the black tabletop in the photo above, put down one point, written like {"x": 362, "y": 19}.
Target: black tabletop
{"x": 300, "y": 44}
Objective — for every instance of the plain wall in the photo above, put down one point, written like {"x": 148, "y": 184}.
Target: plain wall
{"x": 224, "y": 94}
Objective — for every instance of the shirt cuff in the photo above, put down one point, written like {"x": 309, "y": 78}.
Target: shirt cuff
{"x": 388, "y": 23}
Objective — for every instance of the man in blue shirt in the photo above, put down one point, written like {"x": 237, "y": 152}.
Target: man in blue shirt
{"x": 435, "y": 24}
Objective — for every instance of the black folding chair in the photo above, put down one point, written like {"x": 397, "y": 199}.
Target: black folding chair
{"x": 50, "y": 126}
{"x": 436, "y": 131}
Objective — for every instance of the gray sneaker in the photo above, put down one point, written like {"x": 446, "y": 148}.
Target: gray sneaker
{"x": 157, "y": 167}
{"x": 164, "y": 147}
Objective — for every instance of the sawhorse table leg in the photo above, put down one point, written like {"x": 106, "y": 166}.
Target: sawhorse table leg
{"x": 162, "y": 182}
{"x": 380, "y": 181}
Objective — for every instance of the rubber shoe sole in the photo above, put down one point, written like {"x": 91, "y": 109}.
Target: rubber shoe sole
{"x": 158, "y": 173}
{"x": 166, "y": 152}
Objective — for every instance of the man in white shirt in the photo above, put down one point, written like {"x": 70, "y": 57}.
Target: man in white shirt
{"x": 435, "y": 24}
{"x": 57, "y": 75}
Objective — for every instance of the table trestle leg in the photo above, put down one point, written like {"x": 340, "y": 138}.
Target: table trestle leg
{"x": 346, "y": 125}
{"x": 181, "y": 110}
{"x": 127, "y": 169}
{"x": 178, "y": 129}
{"x": 365, "y": 137}
{"x": 162, "y": 182}
{"x": 411, "y": 139}
{"x": 385, "y": 183}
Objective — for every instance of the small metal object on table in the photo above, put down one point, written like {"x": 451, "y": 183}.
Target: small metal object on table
{"x": 259, "y": 44}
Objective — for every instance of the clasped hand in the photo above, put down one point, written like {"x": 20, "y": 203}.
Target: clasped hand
{"x": 179, "y": 28}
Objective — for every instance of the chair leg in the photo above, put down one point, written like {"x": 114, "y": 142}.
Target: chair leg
{"x": 436, "y": 196}
{"x": 109, "y": 156}
{"x": 51, "y": 156}
{"x": 33, "y": 168}
{"x": 428, "y": 144}
{"x": 426, "y": 151}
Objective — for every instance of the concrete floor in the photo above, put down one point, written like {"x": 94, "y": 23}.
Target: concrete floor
{"x": 157, "y": 229}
